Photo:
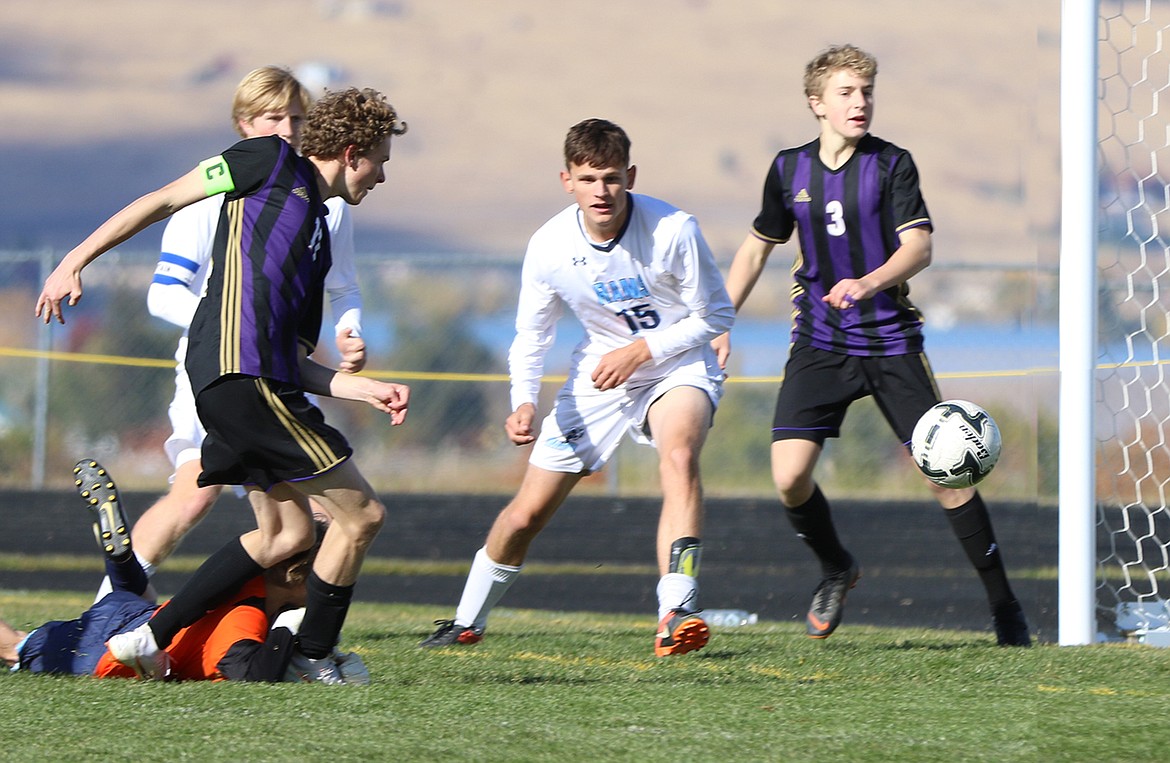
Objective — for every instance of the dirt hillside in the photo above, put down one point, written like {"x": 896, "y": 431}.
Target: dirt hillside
{"x": 106, "y": 100}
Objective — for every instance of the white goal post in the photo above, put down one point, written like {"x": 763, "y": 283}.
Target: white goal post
{"x": 1078, "y": 235}
{"x": 1114, "y": 569}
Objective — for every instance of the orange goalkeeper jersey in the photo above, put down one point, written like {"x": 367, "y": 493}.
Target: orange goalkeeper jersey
{"x": 198, "y": 649}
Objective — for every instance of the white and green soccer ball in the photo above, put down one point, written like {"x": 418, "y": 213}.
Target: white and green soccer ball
{"x": 956, "y": 444}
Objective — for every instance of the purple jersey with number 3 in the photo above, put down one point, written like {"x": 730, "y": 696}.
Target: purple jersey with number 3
{"x": 848, "y": 221}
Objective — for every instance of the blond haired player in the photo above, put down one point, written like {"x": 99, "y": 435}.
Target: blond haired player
{"x": 854, "y": 202}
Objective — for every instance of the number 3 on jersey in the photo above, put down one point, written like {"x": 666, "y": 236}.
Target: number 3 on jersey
{"x": 640, "y": 317}
{"x": 835, "y": 223}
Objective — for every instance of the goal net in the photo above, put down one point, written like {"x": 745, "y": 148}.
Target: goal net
{"x": 1132, "y": 406}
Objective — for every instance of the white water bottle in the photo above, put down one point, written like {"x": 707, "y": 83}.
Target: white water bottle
{"x": 732, "y": 618}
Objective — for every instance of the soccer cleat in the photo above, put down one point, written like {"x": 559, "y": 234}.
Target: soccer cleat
{"x": 448, "y": 634}
{"x": 828, "y": 604}
{"x": 137, "y": 650}
{"x": 680, "y": 632}
{"x": 97, "y": 489}
{"x": 352, "y": 668}
{"x": 307, "y": 670}
{"x": 1011, "y": 628}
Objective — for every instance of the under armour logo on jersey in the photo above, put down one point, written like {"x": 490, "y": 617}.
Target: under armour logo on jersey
{"x": 579, "y": 261}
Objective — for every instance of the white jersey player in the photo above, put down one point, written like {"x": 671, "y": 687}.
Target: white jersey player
{"x": 641, "y": 280}
{"x": 656, "y": 281}
{"x": 268, "y": 101}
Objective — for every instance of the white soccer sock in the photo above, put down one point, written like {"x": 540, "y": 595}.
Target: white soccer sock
{"x": 486, "y": 583}
{"x": 677, "y": 591}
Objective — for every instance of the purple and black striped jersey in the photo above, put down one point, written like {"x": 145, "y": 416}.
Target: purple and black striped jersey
{"x": 268, "y": 266}
{"x": 848, "y": 221}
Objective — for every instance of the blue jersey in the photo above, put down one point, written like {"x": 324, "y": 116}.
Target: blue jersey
{"x": 271, "y": 254}
{"x": 848, "y": 221}
{"x": 75, "y": 646}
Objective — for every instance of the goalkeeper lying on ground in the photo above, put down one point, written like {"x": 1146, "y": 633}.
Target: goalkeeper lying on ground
{"x": 233, "y": 642}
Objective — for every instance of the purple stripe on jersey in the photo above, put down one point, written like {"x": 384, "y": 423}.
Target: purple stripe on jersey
{"x": 282, "y": 303}
{"x": 886, "y": 312}
{"x": 249, "y": 357}
{"x": 869, "y": 205}
{"x": 250, "y": 360}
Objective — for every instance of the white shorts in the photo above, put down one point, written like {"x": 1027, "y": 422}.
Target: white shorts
{"x": 586, "y": 425}
{"x": 187, "y": 432}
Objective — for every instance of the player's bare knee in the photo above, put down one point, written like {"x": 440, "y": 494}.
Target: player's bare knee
{"x": 951, "y": 498}
{"x": 520, "y": 523}
{"x": 195, "y": 507}
{"x": 304, "y": 543}
{"x": 274, "y": 549}
{"x": 680, "y": 463}
{"x": 362, "y": 523}
{"x": 794, "y": 489}
{"x": 372, "y": 520}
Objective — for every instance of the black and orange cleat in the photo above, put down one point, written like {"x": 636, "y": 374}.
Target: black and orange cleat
{"x": 450, "y": 634}
{"x": 828, "y": 604}
{"x": 680, "y": 632}
{"x": 97, "y": 489}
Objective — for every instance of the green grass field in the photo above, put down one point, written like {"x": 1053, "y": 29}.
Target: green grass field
{"x": 548, "y": 686}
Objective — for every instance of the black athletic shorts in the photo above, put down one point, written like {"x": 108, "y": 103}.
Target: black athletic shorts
{"x": 261, "y": 432}
{"x": 819, "y": 386}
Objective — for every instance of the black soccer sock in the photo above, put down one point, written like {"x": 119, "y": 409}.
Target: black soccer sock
{"x": 221, "y": 576}
{"x": 326, "y": 606}
{"x": 972, "y": 526}
{"x": 126, "y": 574}
{"x": 813, "y": 522}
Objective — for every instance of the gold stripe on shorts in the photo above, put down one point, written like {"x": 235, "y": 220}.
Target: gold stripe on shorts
{"x": 929, "y": 373}
{"x": 314, "y": 446}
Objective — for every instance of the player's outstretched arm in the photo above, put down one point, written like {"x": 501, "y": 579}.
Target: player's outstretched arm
{"x": 745, "y": 270}
{"x": 746, "y": 267}
{"x": 64, "y": 283}
{"x": 388, "y": 397}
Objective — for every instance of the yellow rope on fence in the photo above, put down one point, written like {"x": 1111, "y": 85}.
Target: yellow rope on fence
{"x": 123, "y": 360}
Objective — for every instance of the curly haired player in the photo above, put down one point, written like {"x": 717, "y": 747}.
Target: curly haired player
{"x": 269, "y": 100}
{"x": 248, "y": 361}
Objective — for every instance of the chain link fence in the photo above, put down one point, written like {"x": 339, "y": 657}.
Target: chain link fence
{"x": 99, "y": 387}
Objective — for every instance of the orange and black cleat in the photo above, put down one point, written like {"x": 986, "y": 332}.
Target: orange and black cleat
{"x": 680, "y": 632}
{"x": 828, "y": 604}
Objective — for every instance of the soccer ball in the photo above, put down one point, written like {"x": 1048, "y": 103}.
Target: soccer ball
{"x": 955, "y": 444}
